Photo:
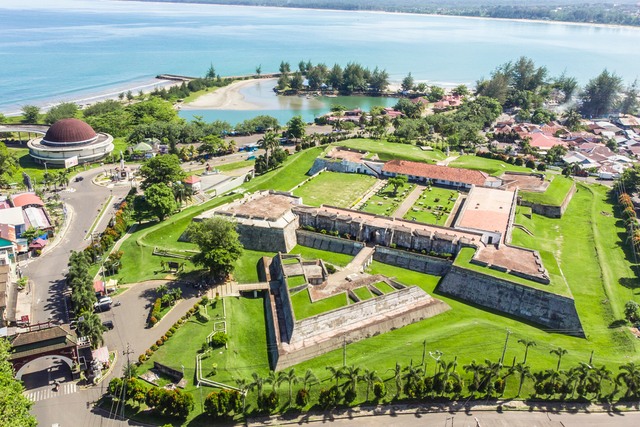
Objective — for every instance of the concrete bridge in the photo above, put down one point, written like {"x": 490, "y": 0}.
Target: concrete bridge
{"x": 27, "y": 128}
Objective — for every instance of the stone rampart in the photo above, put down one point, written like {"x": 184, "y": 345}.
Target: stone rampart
{"x": 412, "y": 261}
{"x": 328, "y": 243}
{"x": 550, "y": 211}
{"x": 545, "y": 308}
{"x": 268, "y": 239}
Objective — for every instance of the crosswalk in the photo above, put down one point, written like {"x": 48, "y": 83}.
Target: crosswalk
{"x": 49, "y": 392}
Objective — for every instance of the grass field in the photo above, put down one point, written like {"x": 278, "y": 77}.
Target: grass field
{"x": 226, "y": 167}
{"x": 247, "y": 266}
{"x": 294, "y": 281}
{"x": 335, "y": 189}
{"x": 341, "y": 260}
{"x": 425, "y": 206}
{"x": 303, "y": 308}
{"x": 554, "y": 195}
{"x": 383, "y": 287}
{"x": 390, "y": 150}
{"x": 363, "y": 293}
{"x": 492, "y": 167}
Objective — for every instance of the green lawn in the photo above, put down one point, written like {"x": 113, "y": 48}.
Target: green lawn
{"x": 247, "y": 266}
{"x": 383, "y": 287}
{"x": 363, "y": 293}
{"x": 426, "y": 216}
{"x": 390, "y": 150}
{"x": 340, "y": 260}
{"x": 492, "y": 167}
{"x": 335, "y": 189}
{"x": 303, "y": 308}
{"x": 554, "y": 195}
{"x": 226, "y": 167}
{"x": 386, "y": 194}
{"x": 294, "y": 281}
{"x": 379, "y": 208}
{"x": 557, "y": 285}
{"x": 426, "y": 205}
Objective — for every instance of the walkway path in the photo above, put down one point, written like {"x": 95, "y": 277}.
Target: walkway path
{"x": 409, "y": 201}
{"x": 376, "y": 187}
{"x": 446, "y": 161}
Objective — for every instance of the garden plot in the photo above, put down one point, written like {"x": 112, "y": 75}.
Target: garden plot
{"x": 434, "y": 206}
{"x": 385, "y": 202}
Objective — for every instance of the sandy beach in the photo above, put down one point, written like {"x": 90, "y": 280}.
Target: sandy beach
{"x": 226, "y": 98}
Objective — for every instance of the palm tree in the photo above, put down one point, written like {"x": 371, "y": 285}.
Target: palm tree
{"x": 572, "y": 118}
{"x": 268, "y": 142}
{"x": 93, "y": 328}
{"x": 490, "y": 369}
{"x": 370, "y": 377}
{"x": 352, "y": 375}
{"x": 448, "y": 369}
{"x": 572, "y": 377}
{"x": 601, "y": 373}
{"x": 476, "y": 369}
{"x": 631, "y": 377}
{"x": 336, "y": 373}
{"x": 397, "y": 373}
{"x": 526, "y": 344}
{"x": 524, "y": 372}
{"x": 559, "y": 352}
{"x": 243, "y": 385}
{"x": 308, "y": 378}
{"x": 413, "y": 374}
{"x": 162, "y": 289}
{"x": 274, "y": 380}
{"x": 63, "y": 178}
{"x": 258, "y": 383}
{"x": 289, "y": 377}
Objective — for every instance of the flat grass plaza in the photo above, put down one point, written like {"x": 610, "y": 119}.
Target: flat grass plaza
{"x": 584, "y": 253}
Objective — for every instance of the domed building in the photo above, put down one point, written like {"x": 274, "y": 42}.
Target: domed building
{"x": 68, "y": 138}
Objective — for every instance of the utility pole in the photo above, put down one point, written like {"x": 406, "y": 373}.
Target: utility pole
{"x": 124, "y": 396}
{"x": 591, "y": 358}
{"x": 201, "y": 404}
{"x": 344, "y": 351}
{"x": 424, "y": 353}
{"x": 505, "y": 346}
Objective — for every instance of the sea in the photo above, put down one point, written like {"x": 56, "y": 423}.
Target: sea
{"x": 84, "y": 50}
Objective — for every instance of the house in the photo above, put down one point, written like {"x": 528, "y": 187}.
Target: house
{"x": 628, "y": 122}
{"x": 26, "y": 200}
{"x": 98, "y": 287}
{"x": 442, "y": 175}
{"x": 544, "y": 142}
{"x": 193, "y": 183}
{"x": 14, "y": 217}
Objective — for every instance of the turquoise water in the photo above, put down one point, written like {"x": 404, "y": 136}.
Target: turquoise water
{"x": 285, "y": 107}
{"x": 73, "y": 49}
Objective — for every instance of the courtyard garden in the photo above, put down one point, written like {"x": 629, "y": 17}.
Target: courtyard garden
{"x": 385, "y": 201}
{"x": 334, "y": 189}
{"x": 434, "y": 206}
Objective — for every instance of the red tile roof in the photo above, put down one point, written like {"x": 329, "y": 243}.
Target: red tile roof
{"x": 26, "y": 199}
{"x": 540, "y": 140}
{"x": 192, "y": 179}
{"x": 426, "y": 170}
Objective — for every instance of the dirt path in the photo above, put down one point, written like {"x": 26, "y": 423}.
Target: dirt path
{"x": 409, "y": 201}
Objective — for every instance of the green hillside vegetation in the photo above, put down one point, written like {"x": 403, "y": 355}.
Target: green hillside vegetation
{"x": 554, "y": 194}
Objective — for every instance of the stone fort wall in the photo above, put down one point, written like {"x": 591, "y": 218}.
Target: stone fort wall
{"x": 550, "y": 211}
{"x": 328, "y": 243}
{"x": 267, "y": 239}
{"x": 412, "y": 261}
{"x": 545, "y": 308}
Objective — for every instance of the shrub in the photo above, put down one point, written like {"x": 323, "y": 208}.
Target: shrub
{"x": 302, "y": 398}
{"x": 211, "y": 404}
{"x": 349, "y": 396}
{"x": 142, "y": 358}
{"x": 519, "y": 161}
{"x": 164, "y": 338}
{"x": 191, "y": 311}
{"x": 629, "y": 213}
{"x": 196, "y": 306}
{"x": 308, "y": 228}
{"x": 393, "y": 246}
{"x": 329, "y": 398}
{"x": 154, "y": 347}
{"x": 323, "y": 231}
{"x": 330, "y": 268}
{"x": 153, "y": 321}
{"x": 531, "y": 164}
{"x": 268, "y": 402}
{"x": 220, "y": 338}
{"x": 148, "y": 353}
{"x": 183, "y": 318}
{"x": 173, "y": 329}
{"x": 380, "y": 390}
{"x": 169, "y": 334}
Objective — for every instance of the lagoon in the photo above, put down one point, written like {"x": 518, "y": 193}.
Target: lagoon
{"x": 75, "y": 49}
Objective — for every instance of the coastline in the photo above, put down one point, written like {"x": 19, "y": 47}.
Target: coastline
{"x": 540, "y": 21}
{"x": 226, "y": 98}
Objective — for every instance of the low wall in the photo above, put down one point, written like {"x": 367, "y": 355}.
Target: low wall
{"x": 173, "y": 373}
{"x": 545, "y": 308}
{"x": 550, "y": 211}
{"x": 328, "y": 243}
{"x": 412, "y": 261}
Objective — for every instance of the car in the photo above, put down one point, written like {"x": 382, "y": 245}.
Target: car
{"x": 108, "y": 324}
{"x": 79, "y": 178}
{"x": 104, "y": 300}
{"x": 251, "y": 158}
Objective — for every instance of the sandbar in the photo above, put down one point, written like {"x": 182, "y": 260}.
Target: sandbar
{"x": 226, "y": 98}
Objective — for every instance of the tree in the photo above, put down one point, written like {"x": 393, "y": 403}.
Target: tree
{"x": 309, "y": 379}
{"x": 398, "y": 181}
{"x": 257, "y": 383}
{"x": 268, "y": 142}
{"x": 302, "y": 66}
{"x": 283, "y": 81}
{"x": 600, "y": 93}
{"x": 379, "y": 80}
{"x": 259, "y": 70}
{"x": 296, "y": 81}
{"x": 600, "y": 374}
{"x": 181, "y": 193}
{"x": 243, "y": 385}
{"x": 370, "y": 377}
{"x": 211, "y": 73}
{"x": 121, "y": 96}
{"x": 66, "y": 110}
{"x": 461, "y": 90}
{"x": 612, "y": 145}
{"x": 407, "y": 83}
{"x": 285, "y": 67}
{"x": 289, "y": 377}
{"x": 15, "y": 406}
{"x": 629, "y": 104}
{"x": 524, "y": 371}
{"x": 160, "y": 199}
{"x": 211, "y": 144}
{"x": 336, "y": 77}
{"x": 296, "y": 127}
{"x": 397, "y": 373}
{"x": 556, "y": 153}
{"x": 32, "y": 233}
{"x": 218, "y": 242}
{"x": 421, "y": 87}
{"x": 476, "y": 370}
{"x": 631, "y": 308}
{"x": 161, "y": 170}
{"x": 93, "y": 328}
{"x": 559, "y": 352}
{"x": 526, "y": 344}
{"x": 630, "y": 375}
{"x": 30, "y": 113}
{"x": 436, "y": 93}
{"x": 130, "y": 96}
{"x": 336, "y": 373}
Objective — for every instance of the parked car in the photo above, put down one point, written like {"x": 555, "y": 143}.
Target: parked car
{"x": 79, "y": 178}
{"x": 108, "y": 324}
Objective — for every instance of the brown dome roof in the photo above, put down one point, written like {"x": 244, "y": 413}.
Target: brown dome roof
{"x": 69, "y": 130}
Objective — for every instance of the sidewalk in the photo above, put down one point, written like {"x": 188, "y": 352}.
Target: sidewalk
{"x": 409, "y": 201}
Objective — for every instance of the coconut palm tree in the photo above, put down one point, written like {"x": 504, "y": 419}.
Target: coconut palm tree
{"x": 559, "y": 352}
{"x": 162, "y": 289}
{"x": 476, "y": 369}
{"x": 63, "y": 178}
{"x": 524, "y": 372}
{"x": 308, "y": 379}
{"x": 448, "y": 368}
{"x": 93, "y": 328}
{"x": 274, "y": 380}
{"x": 370, "y": 377}
{"x": 490, "y": 369}
{"x": 257, "y": 383}
{"x": 289, "y": 377}
{"x": 630, "y": 375}
{"x": 243, "y": 385}
{"x": 336, "y": 373}
{"x": 414, "y": 374}
{"x": 352, "y": 376}
{"x": 572, "y": 379}
{"x": 600, "y": 374}
{"x": 397, "y": 373}
{"x": 268, "y": 142}
{"x": 526, "y": 344}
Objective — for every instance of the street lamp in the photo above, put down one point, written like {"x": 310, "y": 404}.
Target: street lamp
{"x": 439, "y": 354}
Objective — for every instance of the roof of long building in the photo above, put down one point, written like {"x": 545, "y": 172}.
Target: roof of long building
{"x": 444, "y": 173}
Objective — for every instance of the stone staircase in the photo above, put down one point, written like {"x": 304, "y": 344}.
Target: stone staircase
{"x": 227, "y": 289}
{"x": 359, "y": 261}
{"x": 523, "y": 228}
